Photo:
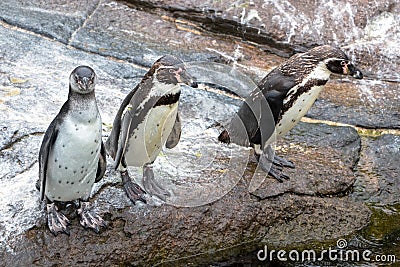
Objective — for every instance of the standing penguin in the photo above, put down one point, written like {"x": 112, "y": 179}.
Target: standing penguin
{"x": 72, "y": 155}
{"x": 146, "y": 121}
{"x": 288, "y": 92}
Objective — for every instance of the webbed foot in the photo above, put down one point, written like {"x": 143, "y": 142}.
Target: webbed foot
{"x": 90, "y": 219}
{"x": 277, "y": 174}
{"x": 151, "y": 185}
{"x": 273, "y": 167}
{"x": 132, "y": 190}
{"x": 56, "y": 221}
{"x": 279, "y": 161}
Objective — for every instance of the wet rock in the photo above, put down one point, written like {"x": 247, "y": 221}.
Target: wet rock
{"x": 293, "y": 26}
{"x": 361, "y": 103}
{"x": 168, "y": 236}
{"x": 337, "y": 215}
{"x": 378, "y": 171}
{"x": 15, "y": 153}
{"x": 288, "y": 26}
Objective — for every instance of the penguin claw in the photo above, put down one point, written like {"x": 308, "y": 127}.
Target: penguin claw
{"x": 151, "y": 186}
{"x": 56, "y": 221}
{"x": 277, "y": 174}
{"x": 156, "y": 190}
{"x": 279, "y": 161}
{"x": 132, "y": 190}
{"x": 90, "y": 219}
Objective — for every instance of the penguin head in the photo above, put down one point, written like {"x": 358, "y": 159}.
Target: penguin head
{"x": 82, "y": 80}
{"x": 171, "y": 70}
{"x": 337, "y": 61}
{"x": 344, "y": 67}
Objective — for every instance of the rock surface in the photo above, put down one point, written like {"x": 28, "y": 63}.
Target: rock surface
{"x": 379, "y": 171}
{"x": 287, "y": 26}
{"x": 211, "y": 217}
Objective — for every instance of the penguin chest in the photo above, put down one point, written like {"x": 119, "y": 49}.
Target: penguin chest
{"x": 296, "y": 111}
{"x": 147, "y": 140}
{"x": 73, "y": 159}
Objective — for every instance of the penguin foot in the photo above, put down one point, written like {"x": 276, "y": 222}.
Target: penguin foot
{"x": 277, "y": 174}
{"x": 275, "y": 170}
{"x": 90, "y": 219}
{"x": 56, "y": 221}
{"x": 279, "y": 161}
{"x": 151, "y": 186}
{"x": 132, "y": 190}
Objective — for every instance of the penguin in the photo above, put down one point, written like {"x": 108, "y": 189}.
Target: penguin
{"x": 288, "y": 92}
{"x": 147, "y": 120}
{"x": 72, "y": 156}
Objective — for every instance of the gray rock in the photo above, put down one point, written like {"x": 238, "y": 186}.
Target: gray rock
{"x": 135, "y": 36}
{"x": 54, "y": 19}
{"x": 378, "y": 171}
{"x": 287, "y": 26}
{"x": 363, "y": 103}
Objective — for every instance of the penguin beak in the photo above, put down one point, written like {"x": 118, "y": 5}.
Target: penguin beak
{"x": 86, "y": 83}
{"x": 353, "y": 71}
{"x": 188, "y": 79}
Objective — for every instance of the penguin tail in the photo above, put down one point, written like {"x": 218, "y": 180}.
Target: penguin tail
{"x": 224, "y": 137}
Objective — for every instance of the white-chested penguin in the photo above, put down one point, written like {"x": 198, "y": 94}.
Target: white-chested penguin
{"x": 146, "y": 121}
{"x": 72, "y": 156}
{"x": 290, "y": 90}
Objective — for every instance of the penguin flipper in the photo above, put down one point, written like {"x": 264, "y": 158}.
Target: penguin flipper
{"x": 275, "y": 87}
{"x": 102, "y": 164}
{"x": 113, "y": 140}
{"x": 47, "y": 144}
{"x": 175, "y": 135}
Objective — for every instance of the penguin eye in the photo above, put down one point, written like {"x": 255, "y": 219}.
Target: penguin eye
{"x": 171, "y": 71}
{"x": 343, "y": 63}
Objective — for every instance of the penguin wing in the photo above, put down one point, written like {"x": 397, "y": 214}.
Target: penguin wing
{"x": 175, "y": 135}
{"x": 131, "y": 112}
{"x": 49, "y": 139}
{"x": 113, "y": 142}
{"x": 102, "y": 164}
{"x": 275, "y": 87}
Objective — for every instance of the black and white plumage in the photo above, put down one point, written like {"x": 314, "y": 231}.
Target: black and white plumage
{"x": 72, "y": 155}
{"x": 146, "y": 121}
{"x": 282, "y": 98}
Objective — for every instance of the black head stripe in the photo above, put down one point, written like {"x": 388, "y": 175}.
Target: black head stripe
{"x": 168, "y": 99}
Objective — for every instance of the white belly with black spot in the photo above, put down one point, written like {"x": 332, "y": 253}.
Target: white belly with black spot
{"x": 72, "y": 163}
{"x": 292, "y": 116}
{"x": 147, "y": 140}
